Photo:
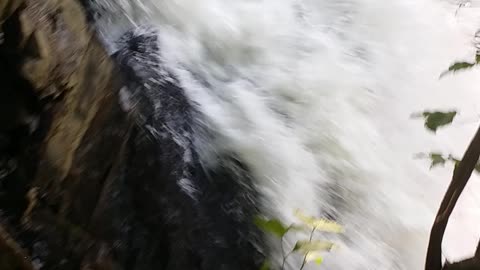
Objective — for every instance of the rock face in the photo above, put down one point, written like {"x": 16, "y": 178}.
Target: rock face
{"x": 82, "y": 183}
{"x": 58, "y": 109}
{"x": 205, "y": 211}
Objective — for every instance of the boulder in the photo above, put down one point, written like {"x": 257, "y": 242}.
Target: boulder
{"x": 61, "y": 130}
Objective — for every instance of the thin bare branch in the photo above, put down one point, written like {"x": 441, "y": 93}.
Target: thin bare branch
{"x": 461, "y": 175}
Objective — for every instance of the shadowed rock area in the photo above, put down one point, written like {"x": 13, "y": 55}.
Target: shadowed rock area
{"x": 62, "y": 133}
{"x": 59, "y": 109}
{"x": 79, "y": 177}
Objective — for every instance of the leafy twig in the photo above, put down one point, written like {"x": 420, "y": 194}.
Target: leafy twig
{"x": 307, "y": 248}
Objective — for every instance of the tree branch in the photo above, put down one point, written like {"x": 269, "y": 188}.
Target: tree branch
{"x": 460, "y": 177}
{"x": 477, "y": 252}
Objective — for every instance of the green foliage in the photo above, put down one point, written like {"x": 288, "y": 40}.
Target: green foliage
{"x": 436, "y": 119}
{"x": 273, "y": 226}
{"x": 433, "y": 259}
{"x": 439, "y": 159}
{"x": 311, "y": 246}
{"x": 310, "y": 249}
{"x": 460, "y": 65}
{"x": 266, "y": 265}
{"x": 319, "y": 224}
{"x": 314, "y": 257}
{"x": 457, "y": 66}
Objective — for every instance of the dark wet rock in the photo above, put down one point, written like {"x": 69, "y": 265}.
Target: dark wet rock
{"x": 60, "y": 128}
{"x": 98, "y": 162}
{"x": 206, "y": 212}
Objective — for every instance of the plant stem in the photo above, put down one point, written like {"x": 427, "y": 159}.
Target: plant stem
{"x": 283, "y": 254}
{"x": 285, "y": 260}
{"x": 306, "y": 254}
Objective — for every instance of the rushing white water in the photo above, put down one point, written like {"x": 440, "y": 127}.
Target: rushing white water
{"x": 316, "y": 96}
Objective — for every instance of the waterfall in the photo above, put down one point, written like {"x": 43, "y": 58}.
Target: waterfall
{"x": 315, "y": 96}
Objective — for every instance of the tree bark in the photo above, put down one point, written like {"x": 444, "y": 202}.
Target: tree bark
{"x": 461, "y": 175}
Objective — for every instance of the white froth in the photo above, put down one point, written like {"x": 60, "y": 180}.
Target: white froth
{"x": 316, "y": 96}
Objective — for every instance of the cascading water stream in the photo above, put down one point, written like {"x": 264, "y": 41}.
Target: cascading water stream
{"x": 315, "y": 96}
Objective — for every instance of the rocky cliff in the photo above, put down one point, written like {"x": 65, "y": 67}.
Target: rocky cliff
{"x": 62, "y": 133}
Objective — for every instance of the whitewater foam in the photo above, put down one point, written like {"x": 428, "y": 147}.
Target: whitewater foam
{"x": 315, "y": 96}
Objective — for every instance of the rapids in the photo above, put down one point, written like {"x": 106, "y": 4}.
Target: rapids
{"x": 316, "y": 98}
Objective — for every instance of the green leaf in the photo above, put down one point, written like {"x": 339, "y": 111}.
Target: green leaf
{"x": 319, "y": 224}
{"x": 299, "y": 227}
{"x": 458, "y": 66}
{"x": 272, "y": 226}
{"x": 434, "y": 120}
{"x": 437, "y": 159}
{"x": 318, "y": 260}
{"x": 477, "y": 58}
{"x": 314, "y": 257}
{"x": 266, "y": 265}
{"x": 311, "y": 246}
